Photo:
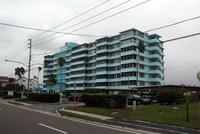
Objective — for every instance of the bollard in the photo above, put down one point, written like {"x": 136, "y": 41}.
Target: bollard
{"x": 134, "y": 105}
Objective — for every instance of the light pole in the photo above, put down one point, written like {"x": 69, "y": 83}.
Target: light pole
{"x": 29, "y": 68}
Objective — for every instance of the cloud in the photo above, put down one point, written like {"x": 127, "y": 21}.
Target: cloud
{"x": 181, "y": 57}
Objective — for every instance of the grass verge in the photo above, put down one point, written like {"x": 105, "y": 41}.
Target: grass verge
{"x": 16, "y": 103}
{"x": 165, "y": 114}
{"x": 29, "y": 101}
{"x": 79, "y": 116}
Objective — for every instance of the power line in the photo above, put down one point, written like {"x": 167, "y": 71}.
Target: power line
{"x": 73, "y": 18}
{"x": 18, "y": 47}
{"x": 13, "y": 56}
{"x": 85, "y": 20}
{"x": 182, "y": 37}
{"x": 41, "y": 54}
{"x": 95, "y": 22}
{"x": 56, "y": 32}
{"x": 176, "y": 23}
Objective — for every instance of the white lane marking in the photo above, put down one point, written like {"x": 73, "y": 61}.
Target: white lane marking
{"x": 129, "y": 130}
{"x": 52, "y": 128}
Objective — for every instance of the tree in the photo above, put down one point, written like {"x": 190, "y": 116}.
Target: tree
{"x": 46, "y": 63}
{"x": 86, "y": 60}
{"x": 11, "y": 79}
{"x": 52, "y": 80}
{"x": 141, "y": 49}
{"x": 18, "y": 72}
{"x": 39, "y": 69}
{"x": 15, "y": 87}
{"x": 1, "y": 86}
{"x": 61, "y": 62}
{"x": 22, "y": 71}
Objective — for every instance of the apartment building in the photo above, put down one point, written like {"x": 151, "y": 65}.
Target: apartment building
{"x": 108, "y": 62}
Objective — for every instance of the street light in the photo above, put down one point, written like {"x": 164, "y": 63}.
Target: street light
{"x": 29, "y": 68}
{"x": 16, "y": 62}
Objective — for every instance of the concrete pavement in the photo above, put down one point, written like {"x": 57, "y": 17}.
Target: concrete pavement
{"x": 88, "y": 114}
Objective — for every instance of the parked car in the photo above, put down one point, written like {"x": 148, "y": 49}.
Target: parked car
{"x": 139, "y": 100}
{"x": 71, "y": 97}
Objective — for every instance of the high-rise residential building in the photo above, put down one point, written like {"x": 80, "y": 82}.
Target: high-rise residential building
{"x": 108, "y": 62}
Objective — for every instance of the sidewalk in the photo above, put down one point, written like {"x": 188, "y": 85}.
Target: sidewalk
{"x": 87, "y": 114}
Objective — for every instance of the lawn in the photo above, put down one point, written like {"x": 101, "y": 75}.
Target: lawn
{"x": 29, "y": 101}
{"x": 166, "y": 114}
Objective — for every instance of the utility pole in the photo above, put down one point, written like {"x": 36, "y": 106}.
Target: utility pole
{"x": 29, "y": 68}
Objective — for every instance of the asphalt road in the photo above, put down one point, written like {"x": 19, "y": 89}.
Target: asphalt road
{"x": 17, "y": 120}
{"x": 52, "y": 107}
{"x": 150, "y": 127}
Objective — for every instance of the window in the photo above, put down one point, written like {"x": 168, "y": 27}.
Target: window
{"x": 129, "y": 32}
{"x": 128, "y": 41}
{"x": 142, "y": 75}
{"x": 128, "y": 57}
{"x": 127, "y": 74}
{"x": 129, "y": 65}
{"x": 141, "y": 83}
{"x": 141, "y": 66}
{"x": 141, "y": 35}
{"x": 130, "y": 48}
{"x": 141, "y": 58}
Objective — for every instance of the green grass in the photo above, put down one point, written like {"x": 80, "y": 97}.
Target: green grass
{"x": 79, "y": 116}
{"x": 152, "y": 113}
{"x": 29, "y": 101}
{"x": 16, "y": 103}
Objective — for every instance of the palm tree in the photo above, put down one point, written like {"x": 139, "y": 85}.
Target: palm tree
{"x": 22, "y": 71}
{"x": 141, "y": 49}
{"x": 46, "y": 63}
{"x": 61, "y": 62}
{"x": 52, "y": 80}
{"x": 39, "y": 69}
{"x": 18, "y": 72}
{"x": 86, "y": 60}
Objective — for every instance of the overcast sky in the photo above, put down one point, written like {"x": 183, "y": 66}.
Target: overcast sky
{"x": 181, "y": 56}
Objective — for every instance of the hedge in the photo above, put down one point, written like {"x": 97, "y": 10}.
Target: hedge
{"x": 4, "y": 94}
{"x": 44, "y": 97}
{"x": 104, "y": 100}
{"x": 169, "y": 96}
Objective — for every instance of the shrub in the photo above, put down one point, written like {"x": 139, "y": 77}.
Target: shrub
{"x": 44, "y": 97}
{"x": 15, "y": 87}
{"x": 5, "y": 95}
{"x": 104, "y": 100}
{"x": 169, "y": 96}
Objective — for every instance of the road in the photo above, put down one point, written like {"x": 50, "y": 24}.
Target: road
{"x": 17, "y": 120}
{"x": 150, "y": 127}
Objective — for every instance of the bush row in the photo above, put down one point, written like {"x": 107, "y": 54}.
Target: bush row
{"x": 170, "y": 96}
{"x": 5, "y": 95}
{"x": 104, "y": 100}
{"x": 44, "y": 97}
